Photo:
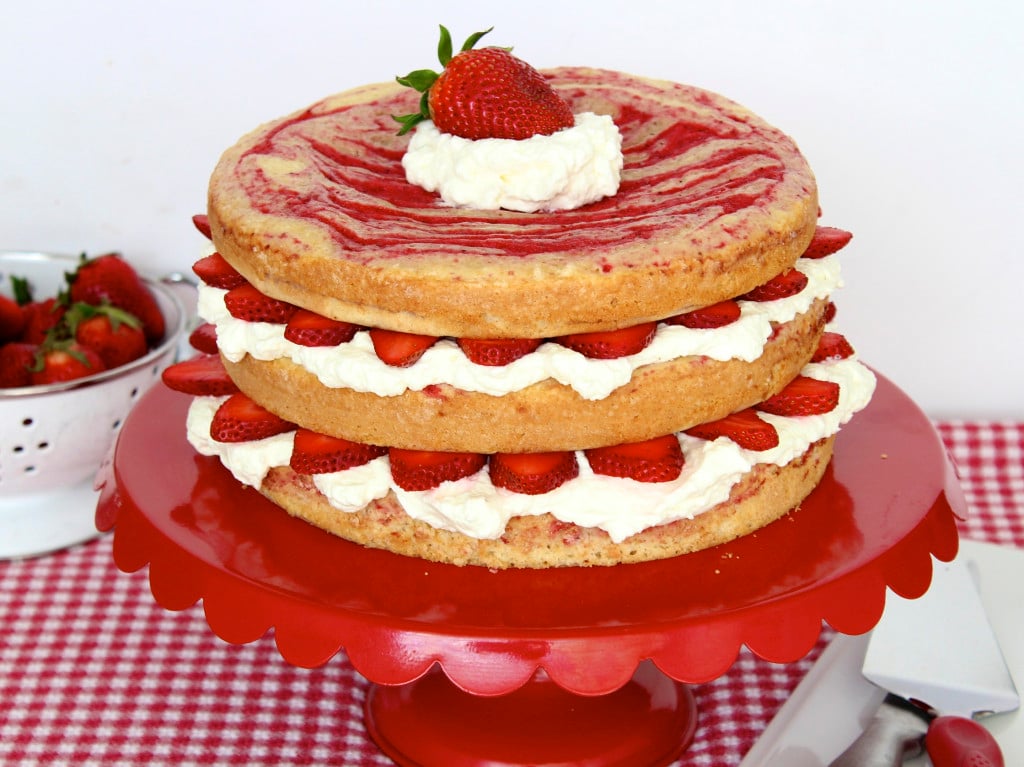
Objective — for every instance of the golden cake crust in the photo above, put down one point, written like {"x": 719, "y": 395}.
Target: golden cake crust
{"x": 314, "y": 209}
{"x": 662, "y": 398}
{"x": 761, "y": 497}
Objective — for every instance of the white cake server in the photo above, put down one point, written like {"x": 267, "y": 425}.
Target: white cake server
{"x": 940, "y": 661}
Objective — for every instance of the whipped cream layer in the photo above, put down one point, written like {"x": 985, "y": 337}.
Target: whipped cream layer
{"x": 355, "y": 365}
{"x": 474, "y": 507}
{"x": 563, "y": 171}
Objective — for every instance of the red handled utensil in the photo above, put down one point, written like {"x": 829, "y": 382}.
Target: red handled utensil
{"x": 939, "y": 659}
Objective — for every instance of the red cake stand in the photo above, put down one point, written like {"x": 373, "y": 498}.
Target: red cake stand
{"x": 582, "y": 666}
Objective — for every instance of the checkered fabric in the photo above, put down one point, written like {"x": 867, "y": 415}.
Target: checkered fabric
{"x": 989, "y": 458}
{"x": 93, "y": 672}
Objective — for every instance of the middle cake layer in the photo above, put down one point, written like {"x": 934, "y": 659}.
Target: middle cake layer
{"x": 659, "y": 399}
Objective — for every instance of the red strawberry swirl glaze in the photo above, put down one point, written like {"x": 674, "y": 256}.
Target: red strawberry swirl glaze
{"x": 693, "y": 163}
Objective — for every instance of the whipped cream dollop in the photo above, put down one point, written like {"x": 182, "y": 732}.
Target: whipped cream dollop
{"x": 355, "y": 365}
{"x": 474, "y": 507}
{"x": 565, "y": 170}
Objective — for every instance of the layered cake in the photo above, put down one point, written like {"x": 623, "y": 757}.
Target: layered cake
{"x": 597, "y": 339}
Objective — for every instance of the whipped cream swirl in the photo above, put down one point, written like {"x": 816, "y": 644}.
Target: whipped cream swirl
{"x": 563, "y": 171}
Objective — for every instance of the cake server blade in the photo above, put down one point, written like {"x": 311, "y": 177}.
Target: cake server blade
{"x": 940, "y": 653}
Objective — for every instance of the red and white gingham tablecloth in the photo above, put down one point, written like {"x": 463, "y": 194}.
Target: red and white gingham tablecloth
{"x": 94, "y": 672}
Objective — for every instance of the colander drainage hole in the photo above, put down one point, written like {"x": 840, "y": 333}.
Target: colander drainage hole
{"x": 27, "y": 421}
{"x": 40, "y": 447}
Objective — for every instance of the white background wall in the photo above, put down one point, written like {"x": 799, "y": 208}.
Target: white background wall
{"x": 113, "y": 113}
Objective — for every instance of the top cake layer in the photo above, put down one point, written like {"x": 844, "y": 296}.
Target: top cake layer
{"x": 315, "y": 209}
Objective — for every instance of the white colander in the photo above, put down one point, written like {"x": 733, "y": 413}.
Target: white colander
{"x": 57, "y": 435}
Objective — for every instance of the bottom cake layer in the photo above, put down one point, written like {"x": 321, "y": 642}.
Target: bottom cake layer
{"x": 764, "y": 495}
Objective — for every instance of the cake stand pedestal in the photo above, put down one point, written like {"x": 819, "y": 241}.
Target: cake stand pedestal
{"x": 582, "y": 666}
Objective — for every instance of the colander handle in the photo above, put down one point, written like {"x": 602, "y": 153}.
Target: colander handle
{"x": 185, "y": 289}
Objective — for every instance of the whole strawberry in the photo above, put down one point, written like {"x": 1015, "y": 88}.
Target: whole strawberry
{"x": 41, "y": 317}
{"x": 16, "y": 362}
{"x": 12, "y": 319}
{"x": 114, "y": 334}
{"x": 111, "y": 279}
{"x": 485, "y": 93}
{"x": 65, "y": 361}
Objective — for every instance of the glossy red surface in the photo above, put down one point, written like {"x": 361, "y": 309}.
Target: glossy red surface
{"x": 885, "y": 506}
{"x": 955, "y": 741}
{"x": 649, "y": 721}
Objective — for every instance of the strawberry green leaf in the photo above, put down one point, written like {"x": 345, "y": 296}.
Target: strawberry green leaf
{"x": 408, "y": 122}
{"x": 444, "y": 47}
{"x": 22, "y": 290}
{"x": 419, "y": 80}
{"x": 80, "y": 311}
{"x": 473, "y": 39}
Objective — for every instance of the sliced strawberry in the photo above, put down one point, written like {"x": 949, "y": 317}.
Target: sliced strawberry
{"x": 399, "y": 349}
{"x": 215, "y": 271}
{"x": 532, "y": 473}
{"x": 497, "y": 352}
{"x": 611, "y": 344}
{"x": 715, "y": 316}
{"x": 315, "y": 453}
{"x": 826, "y": 241}
{"x": 782, "y": 285}
{"x": 832, "y": 346}
{"x": 426, "y": 469}
{"x": 241, "y": 419}
{"x": 110, "y": 278}
{"x": 247, "y": 303}
{"x": 744, "y": 427}
{"x": 202, "y": 223}
{"x": 16, "y": 361}
{"x": 201, "y": 376}
{"x": 204, "y": 338}
{"x": 307, "y": 328}
{"x": 830, "y": 312}
{"x": 803, "y": 396}
{"x": 65, "y": 361}
{"x": 654, "y": 460}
